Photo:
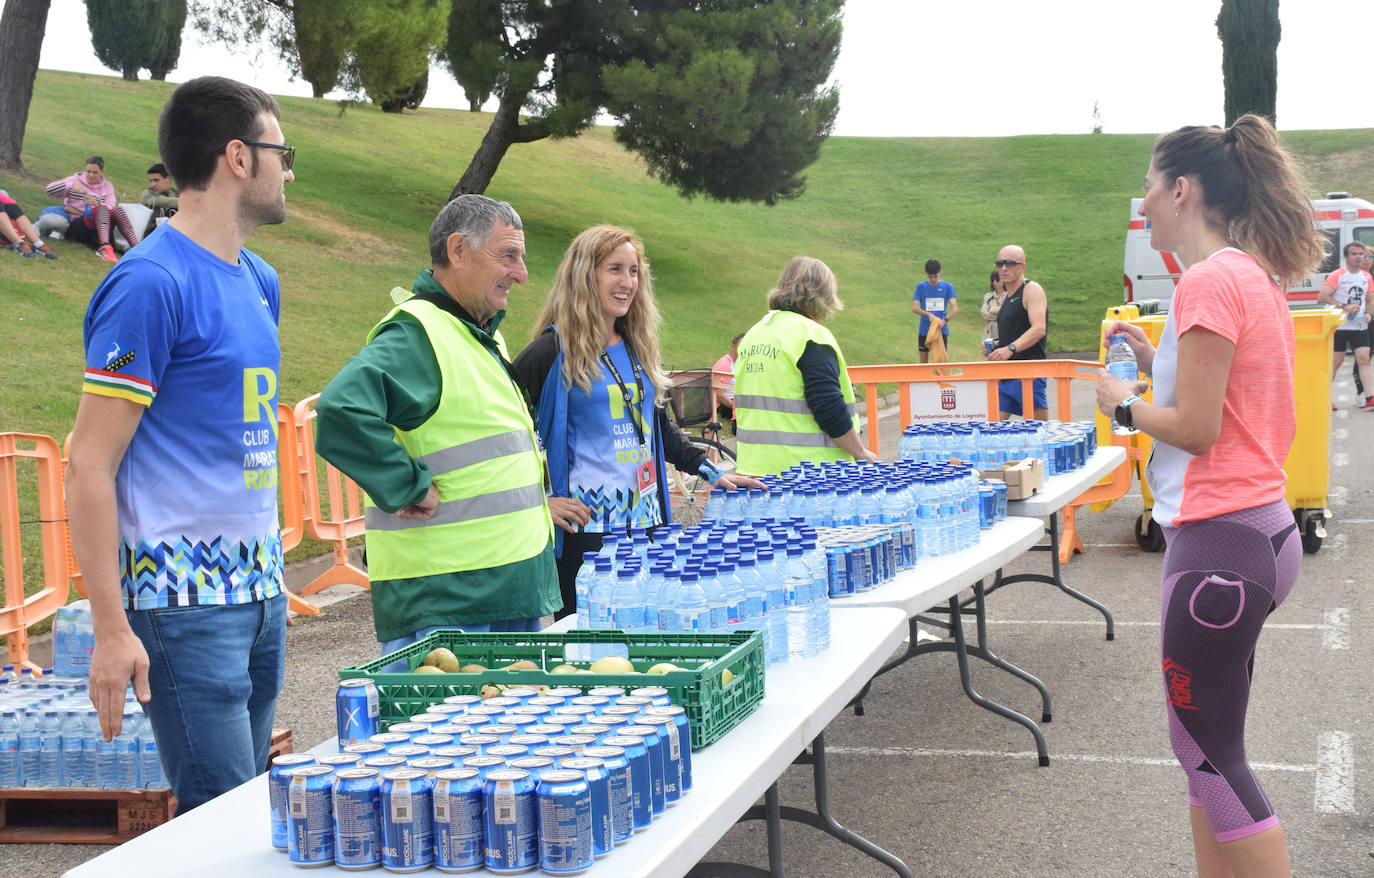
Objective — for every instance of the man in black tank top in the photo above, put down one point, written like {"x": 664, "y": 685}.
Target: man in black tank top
{"x": 1022, "y": 325}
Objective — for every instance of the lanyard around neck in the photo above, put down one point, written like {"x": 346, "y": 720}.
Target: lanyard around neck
{"x": 624, "y": 390}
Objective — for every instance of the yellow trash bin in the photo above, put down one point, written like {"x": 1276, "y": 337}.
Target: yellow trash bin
{"x": 1308, "y": 465}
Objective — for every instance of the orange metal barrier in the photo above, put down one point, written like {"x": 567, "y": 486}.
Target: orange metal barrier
{"x": 288, "y": 465}
{"x": 20, "y": 612}
{"x": 1060, "y": 374}
{"x": 342, "y": 520}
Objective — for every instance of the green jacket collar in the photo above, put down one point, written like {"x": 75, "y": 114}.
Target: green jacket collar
{"x": 429, "y": 289}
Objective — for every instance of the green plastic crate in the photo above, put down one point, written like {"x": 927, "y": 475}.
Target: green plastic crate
{"x": 712, "y": 708}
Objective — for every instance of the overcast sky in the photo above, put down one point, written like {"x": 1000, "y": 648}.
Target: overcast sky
{"x": 919, "y": 68}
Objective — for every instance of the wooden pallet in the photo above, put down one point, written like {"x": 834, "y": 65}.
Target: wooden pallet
{"x": 80, "y": 815}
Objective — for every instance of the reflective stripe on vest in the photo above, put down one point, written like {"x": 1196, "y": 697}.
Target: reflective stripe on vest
{"x": 790, "y": 406}
{"x": 482, "y": 454}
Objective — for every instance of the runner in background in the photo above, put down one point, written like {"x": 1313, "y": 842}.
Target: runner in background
{"x": 936, "y": 302}
{"x": 1348, "y": 289}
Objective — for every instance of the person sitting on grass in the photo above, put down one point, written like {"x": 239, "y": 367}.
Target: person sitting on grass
{"x": 88, "y": 204}
{"x": 18, "y": 232}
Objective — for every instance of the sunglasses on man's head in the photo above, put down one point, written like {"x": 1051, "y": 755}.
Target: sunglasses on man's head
{"x": 1007, "y": 263}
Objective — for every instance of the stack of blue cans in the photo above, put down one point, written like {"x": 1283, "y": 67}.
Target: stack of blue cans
{"x": 473, "y": 784}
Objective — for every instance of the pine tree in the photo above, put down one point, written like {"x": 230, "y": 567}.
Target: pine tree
{"x": 1250, "y": 32}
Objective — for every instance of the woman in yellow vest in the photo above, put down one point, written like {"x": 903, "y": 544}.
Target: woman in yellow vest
{"x": 593, "y": 375}
{"x": 793, "y": 399}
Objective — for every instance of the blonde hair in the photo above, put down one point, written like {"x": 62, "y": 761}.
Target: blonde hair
{"x": 1253, "y": 187}
{"x": 807, "y": 286}
{"x": 574, "y": 307}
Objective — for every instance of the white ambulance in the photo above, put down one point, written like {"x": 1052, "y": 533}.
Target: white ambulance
{"x": 1150, "y": 274}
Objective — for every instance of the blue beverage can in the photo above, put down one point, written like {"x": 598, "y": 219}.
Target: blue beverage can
{"x": 599, "y": 783}
{"x": 458, "y": 820}
{"x": 837, "y": 572}
{"x": 579, "y": 710}
{"x": 565, "y": 822}
{"x": 432, "y": 765}
{"x": 508, "y": 751}
{"x": 365, "y": 748}
{"x": 535, "y": 710}
{"x": 357, "y": 818}
{"x": 547, "y": 700}
{"x": 447, "y": 710}
{"x": 635, "y": 701}
{"x": 597, "y": 703}
{"x": 456, "y": 752}
{"x": 654, "y": 744}
{"x": 657, "y": 695}
{"x": 684, "y": 731}
{"x": 497, "y": 729}
{"x": 987, "y": 505}
{"x": 546, "y": 729}
{"x": 563, "y": 692}
{"x": 356, "y": 707}
{"x": 486, "y": 708}
{"x": 535, "y": 765}
{"x": 640, "y": 777}
{"x": 484, "y": 764}
{"x": 433, "y": 740}
{"x": 407, "y": 820}
{"x": 522, "y": 693}
{"x": 390, "y": 739}
{"x": 310, "y": 815}
{"x": 554, "y": 751}
{"x": 624, "y": 710}
{"x": 429, "y": 718}
{"x": 384, "y": 763}
{"x": 482, "y": 742}
{"x": 341, "y": 760}
{"x": 464, "y": 701}
{"x": 673, "y": 747}
{"x": 504, "y": 701}
{"x": 470, "y": 721}
{"x": 529, "y": 740}
{"x": 453, "y": 730}
{"x": 519, "y": 721}
{"x": 408, "y": 729}
{"x": 614, "y": 693}
{"x": 617, "y": 768}
{"x": 1001, "y": 489}
{"x": 409, "y": 752}
{"x": 577, "y": 742}
{"x": 510, "y": 821}
{"x": 276, "y": 793}
{"x": 596, "y": 730}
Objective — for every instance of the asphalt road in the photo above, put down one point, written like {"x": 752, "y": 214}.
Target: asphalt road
{"x": 953, "y": 790}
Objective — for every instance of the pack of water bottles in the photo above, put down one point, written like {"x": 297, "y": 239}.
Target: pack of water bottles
{"x": 987, "y": 445}
{"x": 50, "y": 737}
{"x": 720, "y": 576}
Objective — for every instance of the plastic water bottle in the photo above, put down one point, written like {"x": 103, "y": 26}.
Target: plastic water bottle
{"x": 73, "y": 639}
{"x": 774, "y": 608}
{"x": 693, "y": 609}
{"x": 627, "y": 601}
{"x": 582, "y": 589}
{"x": 30, "y": 749}
{"x": 106, "y": 763}
{"x": 126, "y": 752}
{"x": 73, "y": 756}
{"x": 797, "y": 579}
{"x": 50, "y": 749}
{"x": 1120, "y": 361}
{"x": 717, "y": 614}
{"x": 90, "y": 745}
{"x": 732, "y": 590}
{"x": 9, "y": 748}
{"x": 150, "y": 775}
{"x": 751, "y": 584}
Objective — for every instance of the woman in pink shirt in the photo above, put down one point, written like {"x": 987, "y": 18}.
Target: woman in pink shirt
{"x": 1231, "y": 204}
{"x": 89, "y": 204}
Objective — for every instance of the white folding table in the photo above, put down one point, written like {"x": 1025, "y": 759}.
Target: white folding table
{"x": 228, "y": 836}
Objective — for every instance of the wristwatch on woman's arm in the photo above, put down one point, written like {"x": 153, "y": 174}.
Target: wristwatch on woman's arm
{"x": 1123, "y": 411}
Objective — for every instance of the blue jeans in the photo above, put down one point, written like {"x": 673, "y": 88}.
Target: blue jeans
{"x": 214, "y": 672}
{"x": 399, "y": 667}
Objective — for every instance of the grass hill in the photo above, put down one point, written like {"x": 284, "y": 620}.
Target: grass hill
{"x": 368, "y": 184}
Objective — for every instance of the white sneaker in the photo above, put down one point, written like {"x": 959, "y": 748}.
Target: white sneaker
{"x": 56, "y": 235}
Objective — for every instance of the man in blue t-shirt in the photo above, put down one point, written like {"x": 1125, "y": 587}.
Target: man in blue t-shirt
{"x": 172, "y": 479}
{"x": 935, "y": 301}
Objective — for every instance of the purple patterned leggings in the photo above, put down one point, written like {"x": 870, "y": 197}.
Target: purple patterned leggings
{"x": 1222, "y": 579}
